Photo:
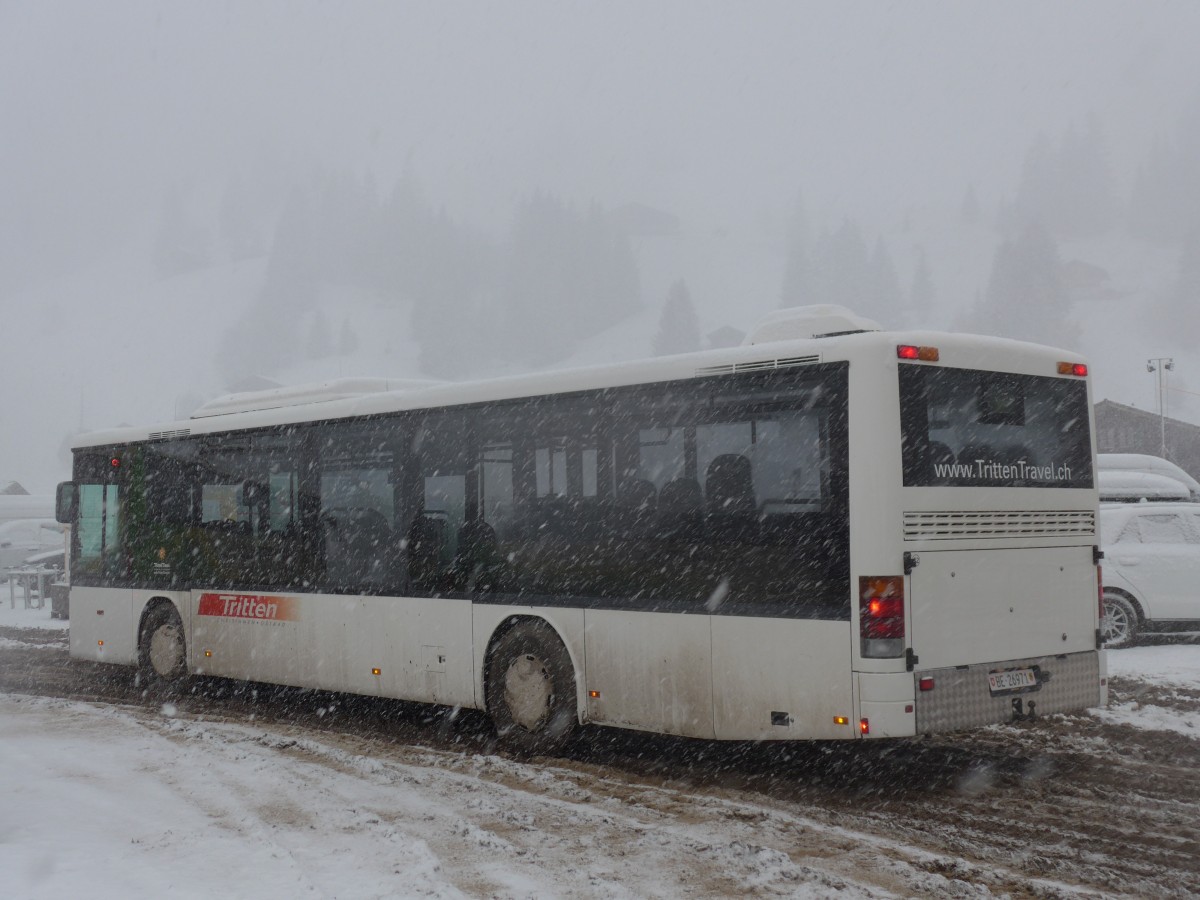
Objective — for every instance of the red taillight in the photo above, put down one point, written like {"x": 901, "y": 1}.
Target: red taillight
{"x": 911, "y": 351}
{"x": 1066, "y": 368}
{"x": 881, "y": 607}
{"x": 864, "y": 726}
{"x": 925, "y": 683}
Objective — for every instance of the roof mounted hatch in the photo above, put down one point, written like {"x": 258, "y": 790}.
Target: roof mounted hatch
{"x": 801, "y": 322}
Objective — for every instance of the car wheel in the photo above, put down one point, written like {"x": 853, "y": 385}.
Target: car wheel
{"x": 1120, "y": 625}
{"x": 531, "y": 689}
{"x": 162, "y": 653}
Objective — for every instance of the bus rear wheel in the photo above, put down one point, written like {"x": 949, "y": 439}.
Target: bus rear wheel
{"x": 1120, "y": 626}
{"x": 531, "y": 689}
{"x": 162, "y": 653}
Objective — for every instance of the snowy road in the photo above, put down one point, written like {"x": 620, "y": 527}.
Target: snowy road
{"x": 258, "y": 792}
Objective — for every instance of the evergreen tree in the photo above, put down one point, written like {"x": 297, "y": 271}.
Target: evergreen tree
{"x": 1179, "y": 309}
{"x": 841, "y": 270}
{"x": 886, "y": 297}
{"x": 569, "y": 275}
{"x": 678, "y": 327}
{"x": 1024, "y": 298}
{"x": 1081, "y": 203}
{"x": 179, "y": 245}
{"x": 1067, "y": 188}
{"x": 968, "y": 212}
{"x": 320, "y": 344}
{"x": 921, "y": 294}
{"x": 290, "y": 280}
{"x": 796, "y": 290}
{"x": 266, "y": 335}
{"x": 1164, "y": 206}
{"x": 239, "y": 230}
{"x": 347, "y": 340}
{"x": 1037, "y": 187}
{"x": 1156, "y": 212}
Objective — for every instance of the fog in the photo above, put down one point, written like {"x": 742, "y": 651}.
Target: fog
{"x": 197, "y": 193}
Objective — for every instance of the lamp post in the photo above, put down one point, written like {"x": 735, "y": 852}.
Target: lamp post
{"x": 1161, "y": 365}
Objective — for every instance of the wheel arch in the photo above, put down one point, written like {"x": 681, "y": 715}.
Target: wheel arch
{"x": 155, "y": 603}
{"x": 1138, "y": 607}
{"x": 510, "y": 622}
{"x": 152, "y": 606}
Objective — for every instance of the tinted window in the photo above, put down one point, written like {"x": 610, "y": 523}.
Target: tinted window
{"x": 360, "y": 516}
{"x": 970, "y": 428}
{"x": 724, "y": 495}
{"x": 98, "y": 541}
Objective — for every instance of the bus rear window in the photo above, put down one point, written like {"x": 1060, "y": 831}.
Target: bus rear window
{"x": 968, "y": 428}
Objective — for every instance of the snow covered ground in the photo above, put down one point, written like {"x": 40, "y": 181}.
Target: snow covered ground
{"x": 164, "y": 798}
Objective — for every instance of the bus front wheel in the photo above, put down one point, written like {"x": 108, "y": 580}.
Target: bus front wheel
{"x": 531, "y": 689}
{"x": 162, "y": 654}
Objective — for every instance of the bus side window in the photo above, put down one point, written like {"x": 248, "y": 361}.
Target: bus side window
{"x": 359, "y": 539}
{"x": 442, "y": 504}
{"x": 100, "y": 533}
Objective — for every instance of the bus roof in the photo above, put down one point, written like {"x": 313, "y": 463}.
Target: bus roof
{"x": 332, "y": 400}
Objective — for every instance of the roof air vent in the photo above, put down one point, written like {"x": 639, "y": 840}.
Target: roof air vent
{"x": 802, "y": 322}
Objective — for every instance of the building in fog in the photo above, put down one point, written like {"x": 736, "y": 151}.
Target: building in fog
{"x": 1127, "y": 429}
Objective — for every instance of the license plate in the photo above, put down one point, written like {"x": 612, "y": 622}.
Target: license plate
{"x": 1012, "y": 680}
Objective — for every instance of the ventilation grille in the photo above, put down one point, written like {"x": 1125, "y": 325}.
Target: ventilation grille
{"x": 933, "y": 526}
{"x": 761, "y": 365}
{"x": 167, "y": 435}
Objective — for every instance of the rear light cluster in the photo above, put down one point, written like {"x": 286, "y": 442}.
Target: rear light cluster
{"x": 911, "y": 351}
{"x": 881, "y": 615}
{"x": 932, "y": 354}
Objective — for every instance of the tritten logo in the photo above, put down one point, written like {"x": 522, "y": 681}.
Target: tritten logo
{"x": 248, "y": 606}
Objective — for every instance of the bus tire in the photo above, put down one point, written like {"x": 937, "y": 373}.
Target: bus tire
{"x": 531, "y": 689}
{"x": 1120, "y": 626}
{"x": 162, "y": 652}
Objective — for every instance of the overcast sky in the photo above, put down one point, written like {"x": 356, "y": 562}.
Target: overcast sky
{"x": 716, "y": 112}
{"x": 703, "y": 108}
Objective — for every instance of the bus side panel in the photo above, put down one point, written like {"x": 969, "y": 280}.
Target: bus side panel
{"x": 247, "y": 636}
{"x": 103, "y": 615}
{"x": 782, "y": 679}
{"x": 653, "y": 671}
{"x": 421, "y": 647}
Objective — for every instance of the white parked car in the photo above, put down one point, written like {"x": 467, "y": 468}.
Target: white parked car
{"x": 24, "y": 537}
{"x": 1151, "y": 569}
{"x": 1111, "y": 464}
{"x": 1126, "y": 486}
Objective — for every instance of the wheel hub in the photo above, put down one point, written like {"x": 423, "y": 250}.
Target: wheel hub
{"x": 527, "y": 691}
{"x": 1116, "y": 626}
{"x": 165, "y": 649}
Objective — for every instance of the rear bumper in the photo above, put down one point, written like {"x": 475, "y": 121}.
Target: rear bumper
{"x": 961, "y": 697}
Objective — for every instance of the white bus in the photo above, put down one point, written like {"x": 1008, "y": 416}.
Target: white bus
{"x": 827, "y": 533}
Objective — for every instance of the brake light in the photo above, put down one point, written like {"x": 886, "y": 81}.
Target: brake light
{"x": 881, "y": 615}
{"x": 911, "y": 351}
{"x": 1066, "y": 368}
